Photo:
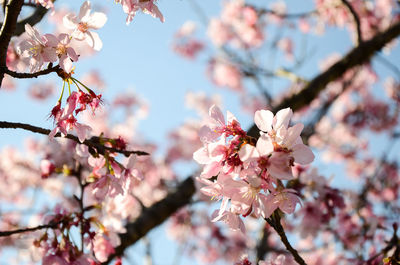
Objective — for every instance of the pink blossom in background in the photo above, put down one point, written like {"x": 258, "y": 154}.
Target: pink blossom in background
{"x": 225, "y": 74}
{"x": 131, "y": 7}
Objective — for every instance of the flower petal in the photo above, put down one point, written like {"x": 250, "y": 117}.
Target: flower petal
{"x": 302, "y": 154}
{"x": 282, "y": 118}
{"x": 94, "y": 41}
{"x": 263, "y": 119}
{"x": 97, "y": 20}
{"x": 248, "y": 152}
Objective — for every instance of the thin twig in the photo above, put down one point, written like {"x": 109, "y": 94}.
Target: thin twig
{"x": 262, "y": 247}
{"x": 30, "y": 75}
{"x": 393, "y": 242}
{"x": 262, "y": 11}
{"x": 388, "y": 64}
{"x": 29, "y": 229}
{"x": 356, "y": 20}
{"x": 323, "y": 110}
{"x": 275, "y": 222}
{"x": 147, "y": 258}
{"x": 93, "y": 142}
{"x": 80, "y": 199}
{"x": 200, "y": 12}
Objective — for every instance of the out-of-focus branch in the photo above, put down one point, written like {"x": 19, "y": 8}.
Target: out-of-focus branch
{"x": 262, "y": 11}
{"x": 357, "y": 56}
{"x": 12, "y": 10}
{"x": 154, "y": 216}
{"x": 93, "y": 142}
{"x": 356, "y": 20}
{"x": 309, "y": 129}
{"x": 30, "y": 229}
{"x": 148, "y": 260}
{"x": 262, "y": 246}
{"x": 389, "y": 65}
{"x": 393, "y": 242}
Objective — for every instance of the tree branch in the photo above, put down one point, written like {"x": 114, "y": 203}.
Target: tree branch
{"x": 30, "y": 229}
{"x": 275, "y": 222}
{"x": 32, "y": 20}
{"x": 262, "y": 247}
{"x": 5, "y": 70}
{"x": 12, "y": 10}
{"x": 309, "y": 129}
{"x": 262, "y": 11}
{"x": 93, "y": 142}
{"x": 356, "y": 20}
{"x": 357, "y": 56}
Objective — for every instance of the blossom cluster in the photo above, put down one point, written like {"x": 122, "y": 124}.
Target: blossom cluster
{"x": 239, "y": 25}
{"x": 49, "y": 48}
{"x": 185, "y": 44}
{"x": 245, "y": 173}
{"x": 373, "y": 15}
{"x": 35, "y": 50}
{"x": 111, "y": 186}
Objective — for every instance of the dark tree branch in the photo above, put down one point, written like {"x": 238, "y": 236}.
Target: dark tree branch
{"x": 12, "y": 10}
{"x": 32, "y": 20}
{"x": 358, "y": 56}
{"x": 93, "y": 142}
{"x": 323, "y": 110}
{"x": 356, "y": 20}
{"x": 30, "y": 229}
{"x": 5, "y": 70}
{"x": 275, "y": 222}
{"x": 30, "y": 4}
{"x": 154, "y": 216}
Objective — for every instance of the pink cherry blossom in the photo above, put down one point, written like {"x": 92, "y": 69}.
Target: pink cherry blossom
{"x": 225, "y": 74}
{"x": 83, "y": 23}
{"x": 280, "y": 260}
{"x": 46, "y": 3}
{"x": 102, "y": 247}
{"x": 65, "y": 120}
{"x": 38, "y": 48}
{"x": 286, "y": 200}
{"x": 65, "y": 52}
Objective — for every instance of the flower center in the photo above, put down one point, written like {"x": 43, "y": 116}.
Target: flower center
{"x": 36, "y": 50}
{"x": 83, "y": 27}
{"x": 61, "y": 49}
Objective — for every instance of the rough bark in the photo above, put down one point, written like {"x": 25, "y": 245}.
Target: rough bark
{"x": 12, "y": 10}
